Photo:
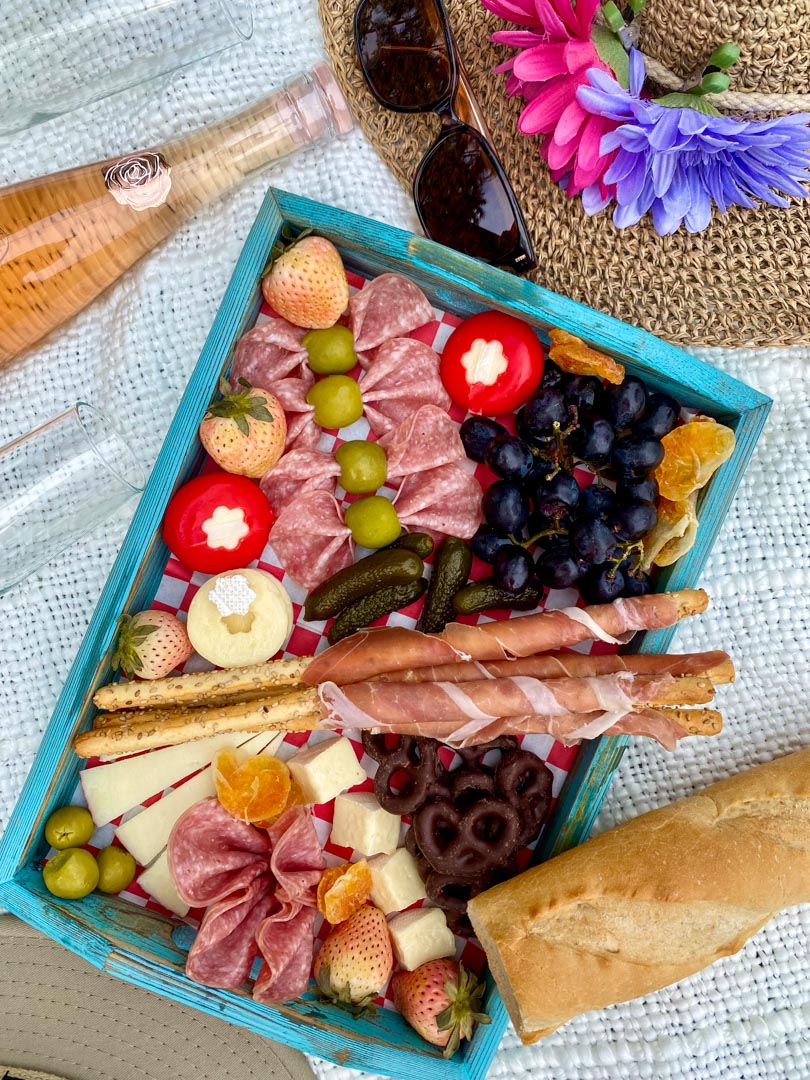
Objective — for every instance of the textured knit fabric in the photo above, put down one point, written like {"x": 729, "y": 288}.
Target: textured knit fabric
{"x": 131, "y": 353}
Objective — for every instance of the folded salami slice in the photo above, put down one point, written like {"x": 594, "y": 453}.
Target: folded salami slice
{"x": 425, "y": 440}
{"x": 446, "y": 501}
{"x": 302, "y": 431}
{"x": 389, "y": 306}
{"x": 285, "y": 942}
{"x": 372, "y": 652}
{"x": 269, "y": 352}
{"x": 285, "y": 936}
{"x": 299, "y": 470}
{"x": 297, "y": 861}
{"x": 225, "y": 947}
{"x": 310, "y": 539}
{"x": 212, "y": 855}
{"x": 403, "y": 376}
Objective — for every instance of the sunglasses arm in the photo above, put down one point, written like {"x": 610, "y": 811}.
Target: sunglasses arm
{"x": 465, "y": 106}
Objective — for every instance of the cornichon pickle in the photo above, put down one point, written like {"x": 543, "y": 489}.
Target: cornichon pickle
{"x": 421, "y": 543}
{"x": 451, "y": 568}
{"x": 483, "y": 595}
{"x": 383, "y": 568}
{"x": 374, "y": 606}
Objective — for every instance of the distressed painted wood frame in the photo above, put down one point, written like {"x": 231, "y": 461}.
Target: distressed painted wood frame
{"x": 137, "y": 945}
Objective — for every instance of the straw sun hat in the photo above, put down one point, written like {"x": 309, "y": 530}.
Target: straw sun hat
{"x": 745, "y": 280}
{"x": 61, "y": 1019}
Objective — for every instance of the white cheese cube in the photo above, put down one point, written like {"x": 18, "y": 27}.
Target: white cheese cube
{"x": 421, "y": 935}
{"x": 326, "y": 769}
{"x": 361, "y": 823}
{"x": 395, "y": 881}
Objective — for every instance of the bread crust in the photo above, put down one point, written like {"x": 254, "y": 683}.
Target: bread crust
{"x": 650, "y": 902}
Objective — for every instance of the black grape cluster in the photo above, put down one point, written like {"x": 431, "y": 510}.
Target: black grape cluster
{"x": 591, "y": 538}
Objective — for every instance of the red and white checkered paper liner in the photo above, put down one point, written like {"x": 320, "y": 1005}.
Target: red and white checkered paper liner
{"x": 179, "y": 585}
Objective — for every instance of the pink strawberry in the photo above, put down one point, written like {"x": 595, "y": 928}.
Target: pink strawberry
{"x": 442, "y": 1001}
{"x": 151, "y": 644}
{"x": 245, "y": 431}
{"x": 355, "y": 961}
{"x": 306, "y": 284}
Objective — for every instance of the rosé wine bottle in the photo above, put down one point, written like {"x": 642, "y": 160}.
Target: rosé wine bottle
{"x": 64, "y": 238}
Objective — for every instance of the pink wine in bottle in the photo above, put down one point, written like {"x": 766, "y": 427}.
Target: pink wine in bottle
{"x": 64, "y": 238}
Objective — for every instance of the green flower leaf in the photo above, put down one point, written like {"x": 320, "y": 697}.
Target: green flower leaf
{"x": 242, "y": 424}
{"x": 687, "y": 101}
{"x": 611, "y": 52}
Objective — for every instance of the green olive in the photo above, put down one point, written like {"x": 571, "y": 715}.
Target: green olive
{"x": 336, "y": 400}
{"x": 71, "y": 874}
{"x": 330, "y": 351}
{"x": 70, "y": 826}
{"x": 116, "y": 869}
{"x": 363, "y": 466}
{"x": 373, "y": 521}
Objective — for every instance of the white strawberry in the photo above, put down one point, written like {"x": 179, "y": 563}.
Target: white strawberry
{"x": 151, "y": 644}
{"x": 245, "y": 430}
{"x": 442, "y": 1001}
{"x": 306, "y": 283}
{"x": 355, "y": 961}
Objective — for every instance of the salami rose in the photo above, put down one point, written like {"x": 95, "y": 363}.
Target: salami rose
{"x": 302, "y": 431}
{"x": 269, "y": 352}
{"x": 446, "y": 501}
{"x": 310, "y": 539}
{"x": 388, "y": 307}
{"x": 297, "y": 472}
{"x": 403, "y": 376}
{"x": 425, "y": 440}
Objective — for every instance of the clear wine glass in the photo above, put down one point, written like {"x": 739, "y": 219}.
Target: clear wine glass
{"x": 57, "y": 483}
{"x": 58, "y": 55}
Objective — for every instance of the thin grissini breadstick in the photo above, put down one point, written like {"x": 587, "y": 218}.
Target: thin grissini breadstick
{"x": 160, "y": 716}
{"x": 296, "y": 711}
{"x": 716, "y": 666}
{"x": 203, "y": 687}
{"x": 370, "y": 652}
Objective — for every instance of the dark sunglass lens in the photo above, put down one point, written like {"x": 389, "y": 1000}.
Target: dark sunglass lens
{"x": 464, "y": 203}
{"x": 403, "y": 52}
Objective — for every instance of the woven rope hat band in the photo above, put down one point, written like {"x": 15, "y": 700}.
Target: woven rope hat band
{"x": 742, "y": 282}
{"x": 61, "y": 1017}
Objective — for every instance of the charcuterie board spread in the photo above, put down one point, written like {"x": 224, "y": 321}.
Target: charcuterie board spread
{"x": 396, "y": 594}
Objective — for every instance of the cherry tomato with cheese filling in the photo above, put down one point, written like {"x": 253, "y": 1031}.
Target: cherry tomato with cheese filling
{"x": 218, "y": 521}
{"x": 492, "y": 363}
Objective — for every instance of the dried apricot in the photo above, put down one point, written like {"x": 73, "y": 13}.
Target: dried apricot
{"x": 296, "y": 797}
{"x": 254, "y": 790}
{"x": 343, "y": 890}
{"x": 573, "y": 356}
{"x": 692, "y": 453}
{"x": 674, "y": 533}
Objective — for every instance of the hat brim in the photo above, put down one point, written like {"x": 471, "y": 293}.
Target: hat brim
{"x": 64, "y": 1018}
{"x": 741, "y": 282}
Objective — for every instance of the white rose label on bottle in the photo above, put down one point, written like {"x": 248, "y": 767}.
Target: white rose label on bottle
{"x": 140, "y": 181}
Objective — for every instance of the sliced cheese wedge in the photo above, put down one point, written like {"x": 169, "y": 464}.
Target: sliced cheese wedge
{"x": 157, "y": 881}
{"x": 147, "y": 834}
{"x": 110, "y": 790}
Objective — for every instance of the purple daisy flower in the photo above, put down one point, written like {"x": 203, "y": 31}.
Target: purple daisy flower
{"x": 676, "y": 162}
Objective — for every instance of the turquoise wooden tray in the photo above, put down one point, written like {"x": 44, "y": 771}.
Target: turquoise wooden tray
{"x": 137, "y": 945}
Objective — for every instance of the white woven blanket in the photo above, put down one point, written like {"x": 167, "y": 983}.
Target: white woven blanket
{"x": 131, "y": 353}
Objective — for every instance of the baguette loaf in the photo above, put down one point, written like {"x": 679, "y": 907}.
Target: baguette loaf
{"x": 651, "y": 901}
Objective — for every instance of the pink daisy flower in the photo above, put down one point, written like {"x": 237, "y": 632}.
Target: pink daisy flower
{"x": 556, "y": 52}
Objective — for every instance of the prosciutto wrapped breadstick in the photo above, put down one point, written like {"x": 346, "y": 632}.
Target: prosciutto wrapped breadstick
{"x": 716, "y": 666}
{"x": 666, "y": 726}
{"x": 466, "y": 707}
{"x": 371, "y": 652}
